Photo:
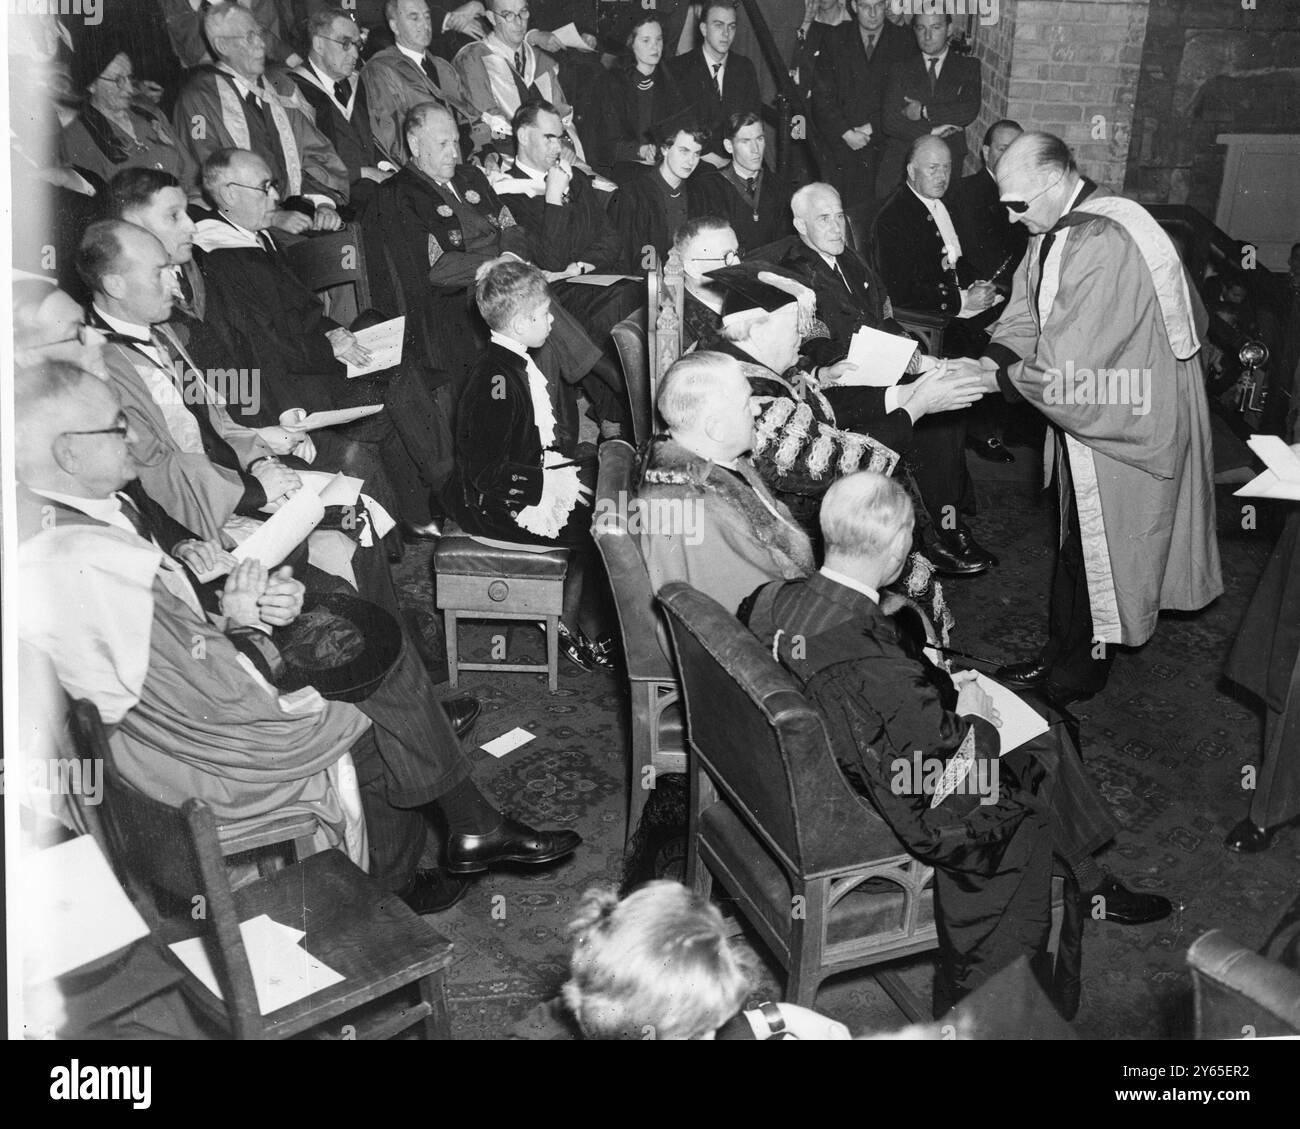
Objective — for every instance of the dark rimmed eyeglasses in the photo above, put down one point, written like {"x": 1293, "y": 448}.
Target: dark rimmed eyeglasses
{"x": 121, "y": 427}
{"x": 346, "y": 44}
{"x": 1020, "y": 207}
{"x": 727, "y": 260}
{"x": 265, "y": 188}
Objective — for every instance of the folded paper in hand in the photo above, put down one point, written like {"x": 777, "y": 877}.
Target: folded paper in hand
{"x": 570, "y": 37}
{"x": 882, "y": 358}
{"x": 384, "y": 344}
{"x": 1281, "y": 478}
{"x": 293, "y": 522}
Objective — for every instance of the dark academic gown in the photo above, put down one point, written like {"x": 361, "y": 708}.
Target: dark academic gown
{"x": 615, "y": 137}
{"x": 350, "y": 135}
{"x": 993, "y": 862}
{"x": 498, "y": 469}
{"x": 756, "y": 221}
{"x": 639, "y": 211}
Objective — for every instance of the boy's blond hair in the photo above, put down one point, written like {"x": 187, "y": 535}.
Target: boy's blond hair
{"x": 656, "y": 965}
{"x": 504, "y": 287}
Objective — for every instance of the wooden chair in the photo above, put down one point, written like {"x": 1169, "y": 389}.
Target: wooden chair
{"x": 1239, "y": 993}
{"x": 634, "y": 358}
{"x": 774, "y": 820}
{"x": 166, "y": 858}
{"x": 334, "y": 265}
{"x": 666, "y": 291}
{"x": 658, "y": 743}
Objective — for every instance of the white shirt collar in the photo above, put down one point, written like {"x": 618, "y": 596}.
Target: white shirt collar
{"x": 849, "y": 582}
{"x": 108, "y": 510}
{"x": 712, "y": 59}
{"x": 510, "y": 343}
{"x": 832, "y": 261}
{"x": 538, "y": 391}
{"x": 930, "y": 205}
{"x": 417, "y": 57}
{"x": 241, "y": 81}
{"x": 126, "y": 328}
{"x": 533, "y": 174}
{"x": 327, "y": 83}
{"x": 939, "y": 60}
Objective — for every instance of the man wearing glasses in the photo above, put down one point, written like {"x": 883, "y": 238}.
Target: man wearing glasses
{"x": 1102, "y": 334}
{"x": 408, "y": 73}
{"x": 234, "y": 103}
{"x": 329, "y": 83}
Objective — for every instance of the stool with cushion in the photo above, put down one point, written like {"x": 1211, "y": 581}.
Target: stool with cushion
{"x": 476, "y": 580}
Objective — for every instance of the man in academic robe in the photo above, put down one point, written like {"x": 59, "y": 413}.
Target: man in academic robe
{"x": 234, "y": 103}
{"x": 571, "y": 235}
{"x": 217, "y": 728}
{"x": 713, "y": 81}
{"x": 430, "y": 228}
{"x": 857, "y": 60}
{"x": 184, "y": 20}
{"x": 992, "y": 246}
{"x": 894, "y": 719}
{"x": 1102, "y": 334}
{"x": 753, "y": 199}
{"x": 329, "y": 83}
{"x": 935, "y": 92}
{"x": 409, "y": 73}
{"x": 504, "y": 70}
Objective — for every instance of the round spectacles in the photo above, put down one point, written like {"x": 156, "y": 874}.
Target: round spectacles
{"x": 127, "y": 80}
{"x": 346, "y": 44}
{"x": 731, "y": 258}
{"x": 265, "y": 188}
{"x": 514, "y": 17}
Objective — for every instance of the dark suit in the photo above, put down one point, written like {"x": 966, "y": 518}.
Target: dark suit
{"x": 350, "y": 135}
{"x": 699, "y": 92}
{"x": 849, "y": 91}
{"x": 955, "y": 101}
{"x": 992, "y": 860}
{"x": 755, "y": 222}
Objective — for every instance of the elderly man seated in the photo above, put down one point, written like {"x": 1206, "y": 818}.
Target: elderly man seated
{"x": 234, "y": 104}
{"x": 188, "y": 689}
{"x": 922, "y": 746}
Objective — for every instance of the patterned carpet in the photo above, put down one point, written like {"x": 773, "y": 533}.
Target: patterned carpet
{"x": 1166, "y": 743}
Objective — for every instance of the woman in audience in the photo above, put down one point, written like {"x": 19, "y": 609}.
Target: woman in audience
{"x": 658, "y": 965}
{"x": 633, "y": 96}
{"x": 648, "y": 209}
{"x": 116, "y": 129}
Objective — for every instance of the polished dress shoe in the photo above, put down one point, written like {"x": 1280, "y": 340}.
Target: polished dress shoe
{"x": 411, "y": 532}
{"x": 1124, "y": 907}
{"x": 1247, "y": 839}
{"x": 1023, "y": 675}
{"x": 991, "y": 450}
{"x": 462, "y": 713}
{"x": 512, "y": 841}
{"x": 600, "y": 653}
{"x": 432, "y": 891}
{"x": 964, "y": 541}
{"x": 948, "y": 562}
{"x": 576, "y": 649}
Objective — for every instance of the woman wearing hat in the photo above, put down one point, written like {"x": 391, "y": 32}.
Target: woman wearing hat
{"x": 116, "y": 128}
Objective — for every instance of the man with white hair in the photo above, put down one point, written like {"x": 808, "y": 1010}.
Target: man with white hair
{"x": 887, "y": 707}
{"x": 1102, "y": 334}
{"x": 234, "y": 103}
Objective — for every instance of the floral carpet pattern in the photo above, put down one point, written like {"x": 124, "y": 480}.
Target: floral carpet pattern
{"x": 1166, "y": 742}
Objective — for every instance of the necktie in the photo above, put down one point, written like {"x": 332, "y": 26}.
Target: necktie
{"x": 266, "y": 242}
{"x": 870, "y": 45}
{"x": 430, "y": 72}
{"x": 183, "y": 285}
{"x": 933, "y": 64}
{"x": 447, "y": 186}
{"x": 252, "y": 102}
{"x": 342, "y": 91}
{"x": 840, "y": 271}
{"x": 133, "y": 515}
{"x": 751, "y": 182}
{"x": 214, "y": 446}
{"x": 717, "y": 77}
{"x": 519, "y": 61}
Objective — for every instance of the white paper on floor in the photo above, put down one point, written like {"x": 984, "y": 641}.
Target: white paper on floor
{"x": 507, "y": 742}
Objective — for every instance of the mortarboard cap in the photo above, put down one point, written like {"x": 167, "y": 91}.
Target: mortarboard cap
{"x": 755, "y": 287}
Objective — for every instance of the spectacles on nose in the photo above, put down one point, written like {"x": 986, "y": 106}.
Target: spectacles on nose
{"x": 727, "y": 260}
{"x": 1020, "y": 207}
{"x": 126, "y": 80}
{"x": 265, "y": 188}
{"x": 346, "y": 44}
{"x": 514, "y": 17}
{"x": 249, "y": 38}
{"x": 121, "y": 427}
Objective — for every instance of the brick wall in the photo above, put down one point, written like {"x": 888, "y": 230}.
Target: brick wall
{"x": 1209, "y": 67}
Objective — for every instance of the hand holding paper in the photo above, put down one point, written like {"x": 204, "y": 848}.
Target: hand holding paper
{"x": 880, "y": 359}
{"x": 1281, "y": 478}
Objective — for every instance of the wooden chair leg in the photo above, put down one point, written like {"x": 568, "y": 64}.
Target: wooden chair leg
{"x": 433, "y": 991}
{"x": 553, "y": 652}
{"x": 449, "y": 629}
{"x": 304, "y": 847}
{"x": 808, "y": 908}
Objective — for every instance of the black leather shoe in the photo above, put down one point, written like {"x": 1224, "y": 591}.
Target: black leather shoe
{"x": 575, "y": 649}
{"x": 963, "y": 540}
{"x": 1247, "y": 839}
{"x": 992, "y": 450}
{"x": 949, "y": 563}
{"x": 599, "y": 653}
{"x": 1023, "y": 675}
{"x": 412, "y": 533}
{"x": 462, "y": 713}
{"x": 432, "y": 891}
{"x": 1061, "y": 695}
{"x": 512, "y": 841}
{"x": 1124, "y": 907}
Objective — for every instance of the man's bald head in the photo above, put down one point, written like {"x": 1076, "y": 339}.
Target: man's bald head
{"x": 929, "y": 166}
{"x": 863, "y": 513}
{"x": 241, "y": 185}
{"x": 56, "y": 405}
{"x": 704, "y": 400}
{"x": 819, "y": 218}
{"x": 432, "y": 139}
{"x": 128, "y": 270}
{"x": 1039, "y": 170}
